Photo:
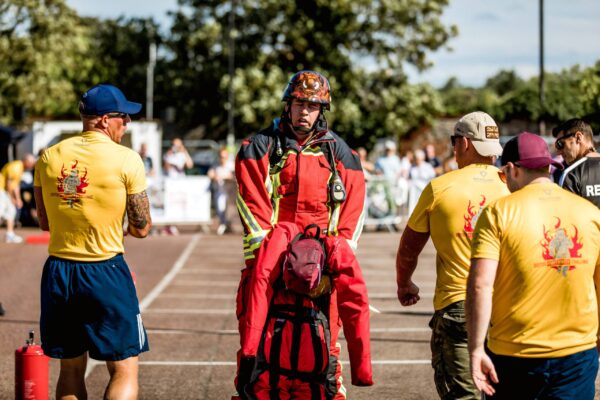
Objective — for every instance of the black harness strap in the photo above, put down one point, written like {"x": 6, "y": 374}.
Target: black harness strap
{"x": 316, "y": 342}
{"x": 296, "y": 334}
{"x": 315, "y": 391}
{"x": 275, "y": 355}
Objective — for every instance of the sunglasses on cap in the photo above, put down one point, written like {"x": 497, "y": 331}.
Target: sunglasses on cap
{"x": 560, "y": 142}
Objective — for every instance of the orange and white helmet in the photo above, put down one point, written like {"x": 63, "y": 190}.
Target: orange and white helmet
{"x": 308, "y": 86}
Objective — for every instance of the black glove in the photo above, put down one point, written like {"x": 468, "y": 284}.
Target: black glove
{"x": 247, "y": 366}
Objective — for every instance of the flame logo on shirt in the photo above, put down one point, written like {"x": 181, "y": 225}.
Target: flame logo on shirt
{"x": 71, "y": 185}
{"x": 561, "y": 247}
{"x": 472, "y": 216}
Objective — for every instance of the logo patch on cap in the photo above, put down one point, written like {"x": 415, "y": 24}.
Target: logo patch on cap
{"x": 492, "y": 132}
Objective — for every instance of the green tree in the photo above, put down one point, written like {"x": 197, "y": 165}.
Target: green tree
{"x": 590, "y": 90}
{"x": 562, "y": 99}
{"x": 274, "y": 39}
{"x": 119, "y": 54}
{"x": 459, "y": 100}
{"x": 41, "y": 45}
{"x": 504, "y": 82}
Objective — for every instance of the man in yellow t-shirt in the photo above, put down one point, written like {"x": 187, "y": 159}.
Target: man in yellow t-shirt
{"x": 10, "y": 194}
{"x": 447, "y": 211}
{"x": 84, "y": 186}
{"x": 533, "y": 285}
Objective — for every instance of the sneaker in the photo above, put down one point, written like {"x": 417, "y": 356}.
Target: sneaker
{"x": 13, "y": 238}
{"x": 221, "y": 229}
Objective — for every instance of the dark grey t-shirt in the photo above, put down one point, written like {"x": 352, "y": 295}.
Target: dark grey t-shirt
{"x": 583, "y": 178}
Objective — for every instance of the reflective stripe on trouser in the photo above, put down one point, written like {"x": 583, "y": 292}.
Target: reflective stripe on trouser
{"x": 450, "y": 356}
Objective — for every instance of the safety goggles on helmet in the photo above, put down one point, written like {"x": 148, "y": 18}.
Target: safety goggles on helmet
{"x": 308, "y": 86}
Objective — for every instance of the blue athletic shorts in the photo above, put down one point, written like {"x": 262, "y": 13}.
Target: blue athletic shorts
{"x": 90, "y": 306}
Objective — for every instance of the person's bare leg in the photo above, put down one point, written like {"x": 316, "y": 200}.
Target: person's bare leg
{"x": 10, "y": 225}
{"x": 71, "y": 381}
{"x": 123, "y": 384}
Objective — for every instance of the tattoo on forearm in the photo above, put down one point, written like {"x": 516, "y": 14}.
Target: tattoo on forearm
{"x": 138, "y": 210}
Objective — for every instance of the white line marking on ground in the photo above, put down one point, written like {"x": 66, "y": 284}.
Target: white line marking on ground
{"x": 200, "y": 296}
{"x": 150, "y": 297}
{"x": 233, "y": 363}
{"x": 206, "y": 283}
{"x": 190, "y": 311}
{"x": 235, "y": 332}
{"x": 374, "y": 309}
{"x": 212, "y": 271}
{"x": 399, "y": 330}
{"x": 191, "y": 332}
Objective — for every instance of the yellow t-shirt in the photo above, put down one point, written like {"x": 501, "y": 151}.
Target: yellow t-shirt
{"x": 448, "y": 209}
{"x": 547, "y": 243}
{"x": 12, "y": 171}
{"x": 85, "y": 181}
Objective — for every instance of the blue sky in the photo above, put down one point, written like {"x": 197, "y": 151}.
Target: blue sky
{"x": 493, "y": 35}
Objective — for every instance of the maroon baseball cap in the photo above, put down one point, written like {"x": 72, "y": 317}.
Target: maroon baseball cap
{"x": 528, "y": 150}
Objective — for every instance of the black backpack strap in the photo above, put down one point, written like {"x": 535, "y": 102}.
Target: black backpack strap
{"x": 311, "y": 226}
{"x": 274, "y": 356}
{"x": 296, "y": 333}
{"x": 330, "y": 155}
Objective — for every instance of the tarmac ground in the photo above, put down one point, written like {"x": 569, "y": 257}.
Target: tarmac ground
{"x": 187, "y": 285}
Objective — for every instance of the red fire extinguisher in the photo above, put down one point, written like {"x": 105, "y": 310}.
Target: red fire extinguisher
{"x": 31, "y": 372}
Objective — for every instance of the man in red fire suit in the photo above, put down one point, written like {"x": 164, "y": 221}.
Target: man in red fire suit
{"x": 297, "y": 171}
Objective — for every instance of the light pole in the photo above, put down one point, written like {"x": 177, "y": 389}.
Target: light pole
{"x": 542, "y": 124}
{"x": 150, "y": 81}
{"x": 231, "y": 71}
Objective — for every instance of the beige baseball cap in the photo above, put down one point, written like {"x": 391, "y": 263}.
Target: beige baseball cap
{"x": 483, "y": 132}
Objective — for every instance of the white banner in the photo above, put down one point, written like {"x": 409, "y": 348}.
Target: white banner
{"x": 184, "y": 200}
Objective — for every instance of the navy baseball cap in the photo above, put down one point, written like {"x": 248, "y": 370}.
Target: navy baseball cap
{"x": 103, "y": 99}
{"x": 528, "y": 150}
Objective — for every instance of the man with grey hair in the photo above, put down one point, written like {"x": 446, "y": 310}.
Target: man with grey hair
{"x": 447, "y": 210}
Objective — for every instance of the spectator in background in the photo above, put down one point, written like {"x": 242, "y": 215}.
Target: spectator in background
{"x": 10, "y": 194}
{"x": 420, "y": 175}
{"x": 392, "y": 169}
{"x": 27, "y": 215}
{"x": 367, "y": 166}
{"x": 389, "y": 164}
{"x": 449, "y": 163}
{"x": 176, "y": 160}
{"x": 147, "y": 160}
{"x": 221, "y": 176}
{"x": 433, "y": 159}
{"x": 402, "y": 192}
{"x": 407, "y": 161}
